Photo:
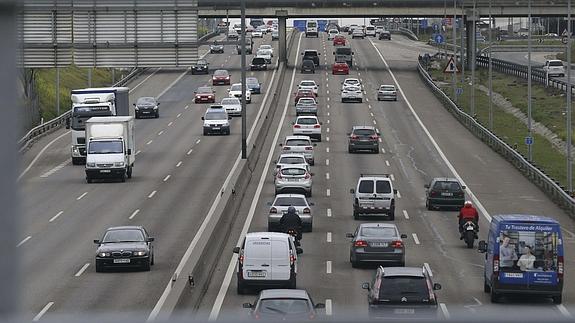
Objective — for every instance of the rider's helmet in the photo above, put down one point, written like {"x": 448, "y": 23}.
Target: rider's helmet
{"x": 467, "y": 204}
{"x": 291, "y": 210}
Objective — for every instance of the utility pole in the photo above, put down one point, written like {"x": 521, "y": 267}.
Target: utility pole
{"x": 569, "y": 102}
{"x": 243, "y": 46}
{"x": 490, "y": 70}
{"x": 454, "y": 35}
{"x": 529, "y": 107}
{"x": 462, "y": 48}
{"x": 472, "y": 64}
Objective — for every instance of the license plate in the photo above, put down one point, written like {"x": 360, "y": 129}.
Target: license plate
{"x": 256, "y": 273}
{"x": 404, "y": 311}
{"x": 469, "y": 229}
{"x": 105, "y": 170}
{"x": 216, "y": 128}
{"x": 293, "y": 179}
{"x": 121, "y": 261}
{"x": 379, "y": 244}
{"x": 446, "y": 194}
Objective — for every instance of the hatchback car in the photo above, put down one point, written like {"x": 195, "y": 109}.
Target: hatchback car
{"x": 376, "y": 243}
{"x": 233, "y": 106}
{"x": 402, "y": 293}
{"x": 254, "y": 85}
{"x": 444, "y": 192}
{"x": 358, "y": 33}
{"x": 147, "y": 106}
{"x": 352, "y": 93}
{"x": 363, "y": 138}
{"x": 233, "y": 35}
{"x": 350, "y": 81}
{"x": 374, "y": 195}
{"x": 293, "y": 179}
{"x": 307, "y": 66}
{"x": 332, "y": 33}
{"x": 291, "y": 159}
{"x": 216, "y": 120}
{"x": 216, "y": 48}
{"x": 307, "y": 126}
{"x": 125, "y": 246}
{"x": 339, "y": 40}
{"x": 300, "y": 144}
{"x": 267, "y": 47}
{"x": 340, "y": 68}
{"x": 257, "y": 34}
{"x": 283, "y": 305}
{"x": 303, "y": 94}
{"x": 385, "y": 34}
{"x": 258, "y": 64}
{"x": 201, "y": 67}
{"x": 221, "y": 77}
{"x": 308, "y": 85}
{"x": 280, "y": 206}
{"x": 205, "y": 94}
{"x": 235, "y": 91}
{"x": 306, "y": 106}
{"x": 387, "y": 92}
{"x": 311, "y": 54}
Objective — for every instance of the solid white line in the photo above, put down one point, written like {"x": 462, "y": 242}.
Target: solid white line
{"x": 40, "y": 153}
{"x": 326, "y": 175}
{"x": 173, "y": 83}
{"x": 55, "y": 216}
{"x": 230, "y": 270}
{"x": 444, "y": 310}
{"x": 327, "y": 162}
{"x": 387, "y": 163}
{"x": 160, "y": 133}
{"x": 398, "y": 194}
{"x": 328, "y": 267}
{"x": 134, "y": 214}
{"x": 179, "y": 164}
{"x": 167, "y": 178}
{"x": 152, "y": 194}
{"x": 138, "y": 85}
{"x": 170, "y": 124}
{"x": 328, "y": 192}
{"x": 329, "y": 213}
{"x": 328, "y": 307}
{"x": 189, "y": 152}
{"x": 82, "y": 196}
{"x": 81, "y": 271}
{"x": 415, "y": 238}
{"x": 42, "y": 312}
{"x": 428, "y": 268}
{"x": 149, "y": 142}
{"x": 439, "y": 151}
{"x": 405, "y": 215}
{"x": 24, "y": 241}
{"x": 328, "y": 237}
{"x": 564, "y": 311}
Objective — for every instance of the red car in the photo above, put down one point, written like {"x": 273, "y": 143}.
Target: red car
{"x": 221, "y": 77}
{"x": 339, "y": 41}
{"x": 205, "y": 94}
{"x": 340, "y": 68}
{"x": 304, "y": 94}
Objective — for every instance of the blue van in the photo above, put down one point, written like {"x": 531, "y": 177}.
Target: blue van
{"x": 523, "y": 255}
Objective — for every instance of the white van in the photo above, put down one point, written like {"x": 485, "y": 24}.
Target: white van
{"x": 267, "y": 259}
{"x": 311, "y": 28}
{"x": 370, "y": 31}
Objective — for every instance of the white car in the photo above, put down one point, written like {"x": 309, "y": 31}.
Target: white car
{"x": 235, "y": 91}
{"x": 350, "y": 81}
{"x": 257, "y": 34}
{"x": 379, "y": 29}
{"x": 301, "y": 145}
{"x": 307, "y": 126}
{"x": 233, "y": 106}
{"x": 280, "y": 206}
{"x": 554, "y": 67}
{"x": 293, "y": 179}
{"x": 291, "y": 159}
{"x": 308, "y": 85}
{"x": 332, "y": 33}
{"x": 352, "y": 93}
{"x": 216, "y": 120}
{"x": 267, "y": 47}
{"x": 370, "y": 31}
{"x": 387, "y": 92}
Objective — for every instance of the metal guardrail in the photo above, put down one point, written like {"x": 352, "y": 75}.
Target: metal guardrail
{"x": 406, "y": 32}
{"x": 536, "y": 175}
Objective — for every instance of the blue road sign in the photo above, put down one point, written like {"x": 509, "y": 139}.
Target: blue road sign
{"x": 529, "y": 141}
{"x": 459, "y": 91}
{"x": 439, "y": 38}
{"x": 436, "y": 27}
{"x": 423, "y": 23}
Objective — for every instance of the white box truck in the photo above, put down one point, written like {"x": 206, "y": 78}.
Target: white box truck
{"x": 93, "y": 102}
{"x": 311, "y": 28}
{"x": 110, "y": 149}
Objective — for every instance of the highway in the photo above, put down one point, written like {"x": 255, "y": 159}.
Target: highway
{"x": 177, "y": 175}
{"x": 421, "y": 140}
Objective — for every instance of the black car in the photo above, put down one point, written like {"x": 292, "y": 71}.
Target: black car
{"x": 311, "y": 54}
{"x": 126, "y": 246}
{"x": 248, "y": 47}
{"x": 385, "y": 35}
{"x": 444, "y": 192}
{"x": 258, "y": 64}
{"x": 363, "y": 138}
{"x": 217, "y": 48}
{"x": 405, "y": 293}
{"x": 147, "y": 106}
{"x": 307, "y": 66}
{"x": 254, "y": 85}
{"x": 283, "y": 304}
{"x": 201, "y": 67}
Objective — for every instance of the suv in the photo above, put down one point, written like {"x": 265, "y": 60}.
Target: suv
{"x": 554, "y": 67}
{"x": 216, "y": 120}
{"x": 306, "y": 106}
{"x": 357, "y": 33}
{"x": 363, "y": 137}
{"x": 444, "y": 192}
{"x": 311, "y": 54}
{"x": 402, "y": 293}
{"x": 374, "y": 194}
{"x": 267, "y": 259}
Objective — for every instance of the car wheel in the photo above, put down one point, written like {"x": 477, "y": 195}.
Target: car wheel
{"x": 392, "y": 214}
{"x": 99, "y": 267}
{"x": 157, "y": 115}
{"x": 292, "y": 284}
{"x": 309, "y": 193}
{"x": 354, "y": 264}
{"x": 355, "y": 215}
{"x": 88, "y": 180}
{"x": 146, "y": 266}
{"x": 319, "y": 138}
{"x": 242, "y": 290}
{"x": 360, "y": 100}
{"x": 486, "y": 287}
{"x": 123, "y": 178}
{"x": 129, "y": 172}
{"x": 312, "y": 163}
{"x": 429, "y": 206}
{"x": 350, "y": 150}
{"x": 152, "y": 261}
{"x": 137, "y": 116}
{"x": 494, "y": 296}
{"x": 402, "y": 263}
{"x": 376, "y": 150}
{"x": 205, "y": 132}
{"x": 378, "y": 99}
{"x": 557, "y": 299}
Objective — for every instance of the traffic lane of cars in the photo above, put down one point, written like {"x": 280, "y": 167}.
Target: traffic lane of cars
{"x": 181, "y": 148}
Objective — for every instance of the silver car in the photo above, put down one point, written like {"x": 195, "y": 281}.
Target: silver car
{"x": 387, "y": 92}
{"x": 291, "y": 159}
{"x": 306, "y": 106}
{"x": 352, "y": 93}
{"x": 308, "y": 126}
{"x": 280, "y": 206}
{"x": 350, "y": 81}
{"x": 233, "y": 106}
{"x": 295, "y": 179}
{"x": 378, "y": 243}
{"x": 308, "y": 85}
{"x": 300, "y": 144}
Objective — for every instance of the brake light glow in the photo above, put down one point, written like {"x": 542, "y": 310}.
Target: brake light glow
{"x": 291, "y": 259}
{"x": 309, "y": 148}
{"x": 374, "y": 137}
{"x": 279, "y": 175}
{"x": 433, "y": 193}
{"x": 273, "y": 210}
{"x": 317, "y": 126}
{"x": 397, "y": 244}
{"x": 560, "y": 267}
{"x": 297, "y": 126}
{"x": 354, "y": 137}
{"x": 306, "y": 210}
{"x": 360, "y": 243}
{"x": 307, "y": 176}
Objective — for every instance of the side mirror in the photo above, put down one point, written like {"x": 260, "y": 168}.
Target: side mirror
{"x": 281, "y": 145}
{"x": 315, "y": 145}
{"x": 426, "y": 185}
{"x": 247, "y": 305}
{"x": 352, "y": 191}
{"x": 463, "y": 187}
{"x": 349, "y": 235}
{"x": 203, "y": 118}
{"x": 436, "y": 286}
{"x": 96, "y": 241}
{"x": 150, "y": 239}
{"x": 311, "y": 203}
{"x": 236, "y": 249}
{"x": 67, "y": 123}
{"x": 319, "y": 305}
{"x": 482, "y": 246}
{"x": 133, "y": 104}
{"x": 394, "y": 191}
{"x": 129, "y": 152}
{"x": 365, "y": 286}
{"x": 403, "y": 236}
{"x": 229, "y": 117}
{"x": 298, "y": 250}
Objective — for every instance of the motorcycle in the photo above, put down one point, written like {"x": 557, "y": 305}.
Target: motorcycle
{"x": 469, "y": 233}
{"x": 294, "y": 234}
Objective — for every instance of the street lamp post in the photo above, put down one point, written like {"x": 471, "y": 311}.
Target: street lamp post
{"x": 529, "y": 107}
{"x": 569, "y": 102}
{"x": 490, "y": 70}
{"x": 243, "y": 77}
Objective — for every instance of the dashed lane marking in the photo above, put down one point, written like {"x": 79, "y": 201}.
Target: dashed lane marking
{"x": 81, "y": 271}
{"x": 56, "y": 216}
{"x": 328, "y": 213}
{"x": 160, "y": 133}
{"x": 133, "y": 215}
{"x": 415, "y": 238}
{"x": 81, "y": 196}
{"x": 149, "y": 142}
{"x": 444, "y": 311}
{"x": 167, "y": 178}
{"x": 328, "y": 267}
{"x": 42, "y": 312}
{"x": 327, "y": 162}
{"x": 328, "y": 307}
{"x": 179, "y": 164}
{"x": 152, "y": 194}
{"x": 24, "y": 241}
{"x": 398, "y": 194}
{"x": 189, "y": 152}
{"x": 326, "y": 175}
{"x": 328, "y": 192}
{"x": 328, "y": 237}
{"x": 387, "y": 163}
{"x": 392, "y": 177}
{"x": 170, "y": 124}
{"x": 405, "y": 215}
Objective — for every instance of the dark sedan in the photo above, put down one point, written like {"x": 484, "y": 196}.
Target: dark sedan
{"x": 283, "y": 304}
{"x": 376, "y": 243}
{"x": 126, "y": 246}
{"x": 254, "y": 85}
{"x": 205, "y": 94}
{"x": 201, "y": 67}
{"x": 147, "y": 106}
{"x": 303, "y": 94}
{"x": 217, "y": 48}
{"x": 444, "y": 192}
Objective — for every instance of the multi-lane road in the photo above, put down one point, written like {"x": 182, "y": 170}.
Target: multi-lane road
{"x": 178, "y": 174}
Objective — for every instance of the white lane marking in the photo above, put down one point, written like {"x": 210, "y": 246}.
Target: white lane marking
{"x": 359, "y": 74}
{"x": 374, "y": 122}
{"x": 327, "y": 130}
{"x": 57, "y": 168}
{"x": 328, "y": 307}
{"x": 380, "y": 141}
{"x": 564, "y": 311}
{"x": 40, "y": 153}
{"x": 160, "y": 133}
{"x": 328, "y": 267}
{"x": 230, "y": 270}
{"x": 328, "y": 101}
{"x": 405, "y": 214}
{"x": 42, "y": 312}
{"x": 439, "y": 151}
{"x": 326, "y": 175}
{"x": 371, "y": 113}
{"x": 152, "y": 194}
{"x": 179, "y": 164}
{"x": 328, "y": 237}
{"x": 328, "y": 116}
{"x": 369, "y": 106}
{"x": 138, "y": 152}
{"x": 328, "y": 192}
{"x": 398, "y": 194}
{"x": 327, "y": 149}
{"x": 444, "y": 310}
{"x": 186, "y": 107}
{"x": 326, "y": 91}
{"x": 189, "y": 152}
{"x": 383, "y": 149}
{"x": 198, "y": 141}
{"x": 24, "y": 241}
{"x": 173, "y": 83}
{"x": 415, "y": 238}
{"x": 392, "y": 177}
{"x": 387, "y": 163}
{"x": 366, "y": 99}
{"x": 56, "y": 216}
{"x": 327, "y": 162}
{"x": 170, "y": 124}
{"x": 81, "y": 196}
{"x": 326, "y": 138}
{"x": 428, "y": 268}
{"x": 134, "y": 214}
{"x": 149, "y": 142}
{"x": 81, "y": 271}
{"x": 167, "y": 178}
{"x": 179, "y": 115}
{"x": 328, "y": 119}
{"x": 329, "y": 213}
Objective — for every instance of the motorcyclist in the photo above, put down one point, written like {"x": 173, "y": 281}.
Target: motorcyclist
{"x": 291, "y": 220}
{"x": 468, "y": 213}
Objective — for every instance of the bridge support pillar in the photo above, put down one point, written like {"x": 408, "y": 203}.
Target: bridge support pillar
{"x": 470, "y": 32}
{"x": 282, "y": 19}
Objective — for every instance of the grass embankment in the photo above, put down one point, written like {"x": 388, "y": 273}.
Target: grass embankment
{"x": 548, "y": 107}
{"x": 563, "y": 56}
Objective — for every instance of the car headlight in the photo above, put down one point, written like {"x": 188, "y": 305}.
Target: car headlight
{"x": 119, "y": 164}
{"x": 140, "y": 253}
{"x": 156, "y": 107}
{"x": 76, "y": 150}
{"x": 103, "y": 254}
{"x": 90, "y": 164}
{"x": 137, "y": 108}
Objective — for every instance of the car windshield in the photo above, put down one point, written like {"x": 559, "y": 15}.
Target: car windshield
{"x": 265, "y": 47}
{"x": 236, "y": 87}
{"x": 447, "y": 186}
{"x": 307, "y": 83}
{"x": 293, "y": 171}
{"x": 221, "y": 73}
{"x": 364, "y": 132}
{"x": 204, "y": 90}
{"x": 378, "y": 232}
{"x": 283, "y": 306}
{"x": 351, "y": 82}
{"x": 262, "y": 52}
{"x": 216, "y": 116}
{"x": 310, "y": 53}
{"x": 404, "y": 289}
{"x": 383, "y": 187}
{"x": 230, "y": 101}
{"x": 106, "y": 147}
{"x": 523, "y": 249}
{"x": 130, "y": 235}
{"x": 290, "y": 201}
{"x": 556, "y": 63}
{"x": 291, "y": 160}
{"x": 306, "y": 121}
{"x": 201, "y": 62}
{"x": 306, "y": 101}
{"x": 146, "y": 101}
{"x": 258, "y": 60}
{"x": 298, "y": 142}
{"x": 366, "y": 186}
{"x": 343, "y": 51}
{"x": 252, "y": 80}
{"x": 387, "y": 88}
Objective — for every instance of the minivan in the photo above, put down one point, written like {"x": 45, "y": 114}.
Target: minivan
{"x": 266, "y": 259}
{"x": 374, "y": 195}
{"x": 523, "y": 255}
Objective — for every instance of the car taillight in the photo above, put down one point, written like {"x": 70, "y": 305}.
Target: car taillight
{"x": 496, "y": 265}
{"x": 309, "y": 148}
{"x": 317, "y": 126}
{"x": 433, "y": 193}
{"x": 307, "y": 176}
{"x": 374, "y": 137}
{"x": 241, "y": 259}
{"x": 397, "y": 244}
{"x": 360, "y": 243}
{"x": 297, "y": 126}
{"x": 306, "y": 210}
{"x": 273, "y": 210}
{"x": 560, "y": 267}
{"x": 286, "y": 148}
{"x": 292, "y": 260}
{"x": 354, "y": 137}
